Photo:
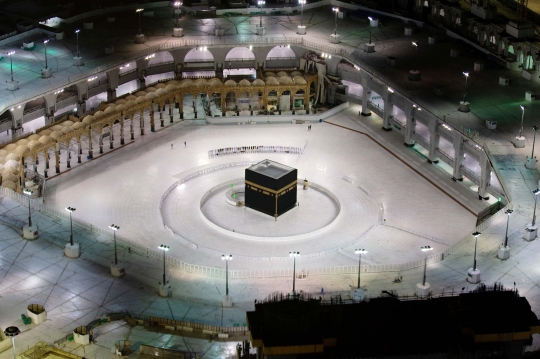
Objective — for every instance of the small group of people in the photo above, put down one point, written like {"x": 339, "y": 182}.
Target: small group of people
{"x": 253, "y": 149}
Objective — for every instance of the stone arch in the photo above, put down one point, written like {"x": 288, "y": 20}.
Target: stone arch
{"x": 160, "y": 57}
{"x": 239, "y": 52}
{"x": 280, "y": 51}
{"x": 199, "y": 54}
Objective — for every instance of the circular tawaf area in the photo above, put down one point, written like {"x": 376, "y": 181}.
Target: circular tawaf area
{"x": 198, "y": 212}
{"x": 317, "y": 209}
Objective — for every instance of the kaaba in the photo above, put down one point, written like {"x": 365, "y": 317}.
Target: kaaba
{"x": 271, "y": 187}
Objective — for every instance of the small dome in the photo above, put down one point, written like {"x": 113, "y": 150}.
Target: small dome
{"x": 131, "y": 103}
{"x": 173, "y": 82}
{"x": 186, "y": 83}
{"x": 88, "y": 120}
{"x": 56, "y": 128}
{"x": 9, "y": 184}
{"x": 244, "y": 82}
{"x": 131, "y": 98}
{"x": 284, "y": 80}
{"x": 45, "y": 133}
{"x": 300, "y": 80}
{"x": 67, "y": 123}
{"x": 67, "y": 129}
{"x": 215, "y": 82}
{"x": 230, "y": 83}
{"x": 33, "y": 137}
{"x": 269, "y": 74}
{"x": 44, "y": 139}
{"x": 171, "y": 87}
{"x": 150, "y": 96}
{"x": 120, "y": 102}
{"x": 296, "y": 73}
{"x": 120, "y": 108}
{"x": 272, "y": 81}
{"x": 282, "y": 73}
{"x": 11, "y": 164}
{"x": 3, "y": 153}
{"x": 78, "y": 125}
{"x": 21, "y": 150}
{"x": 161, "y": 92}
{"x": 2, "y": 161}
{"x": 56, "y": 134}
{"x": 9, "y": 177}
{"x": 98, "y": 114}
{"x": 140, "y": 99}
{"x": 10, "y": 147}
{"x": 150, "y": 89}
{"x": 258, "y": 82}
{"x": 32, "y": 143}
{"x": 13, "y": 156}
{"x": 110, "y": 110}
{"x": 8, "y": 169}
{"x": 140, "y": 93}
{"x": 23, "y": 141}
{"x": 161, "y": 85}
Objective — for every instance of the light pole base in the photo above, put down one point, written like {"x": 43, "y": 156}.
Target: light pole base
{"x": 178, "y": 32}
{"x": 227, "y": 301}
{"x": 422, "y": 291}
{"x": 165, "y": 291}
{"x": 72, "y": 251}
{"x": 118, "y": 270}
{"x": 530, "y": 163}
{"x": 335, "y": 38}
{"x": 358, "y": 294}
{"x": 13, "y": 85}
{"x": 301, "y": 30}
{"x": 473, "y": 276}
{"x": 463, "y": 107}
{"x": 261, "y": 30}
{"x": 30, "y": 232}
{"x": 140, "y": 39}
{"x": 530, "y": 233}
{"x": 504, "y": 252}
{"x": 46, "y": 73}
{"x": 414, "y": 75}
{"x": 78, "y": 61}
{"x": 369, "y": 47}
{"x": 519, "y": 142}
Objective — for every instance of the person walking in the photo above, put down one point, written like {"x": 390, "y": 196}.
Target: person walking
{"x": 185, "y": 144}
{"x": 172, "y": 146}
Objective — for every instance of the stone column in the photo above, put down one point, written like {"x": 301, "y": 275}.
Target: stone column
{"x": 152, "y": 124}
{"x": 171, "y": 107}
{"x": 366, "y": 96}
{"x": 388, "y": 111}
{"x": 81, "y": 108}
{"x": 101, "y": 141}
{"x": 161, "y": 110}
{"x": 131, "y": 128}
{"x": 411, "y": 127}
{"x": 434, "y": 138}
{"x": 79, "y": 150}
{"x": 68, "y": 158}
{"x": 90, "y": 151}
{"x": 122, "y": 131}
{"x": 485, "y": 176}
{"x": 111, "y": 94}
{"x": 458, "y": 156}
{"x": 141, "y": 120}
{"x": 35, "y": 165}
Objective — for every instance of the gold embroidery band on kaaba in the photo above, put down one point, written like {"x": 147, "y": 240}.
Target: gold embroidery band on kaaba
{"x": 278, "y": 192}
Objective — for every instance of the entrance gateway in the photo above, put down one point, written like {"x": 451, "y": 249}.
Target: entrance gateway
{"x": 271, "y": 187}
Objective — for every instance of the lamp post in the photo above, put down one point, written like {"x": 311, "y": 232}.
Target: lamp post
{"x": 475, "y": 234}
{"x": 12, "y": 332}
{"x": 302, "y": 3}
{"x": 45, "y": 42}
{"x": 473, "y": 274}
{"x": 530, "y": 162}
{"x": 519, "y": 141}
{"x": 504, "y": 250}
{"x": 508, "y": 213}
{"x": 336, "y": 10}
{"x": 140, "y": 25}
{"x": 466, "y": 79}
{"x": 77, "y": 32}
{"x": 178, "y": 4}
{"x": 164, "y": 248}
{"x": 29, "y": 192}
{"x": 71, "y": 210}
{"x": 415, "y": 44}
{"x": 226, "y": 258}
{"x": 359, "y": 252}
{"x": 522, "y": 117}
{"x": 114, "y": 228}
{"x": 260, "y": 3}
{"x": 10, "y": 53}
{"x": 294, "y": 255}
{"x": 425, "y": 249}
{"x": 535, "y": 192}
{"x": 370, "y": 20}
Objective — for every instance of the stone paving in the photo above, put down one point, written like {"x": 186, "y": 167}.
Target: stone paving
{"x": 76, "y": 291}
